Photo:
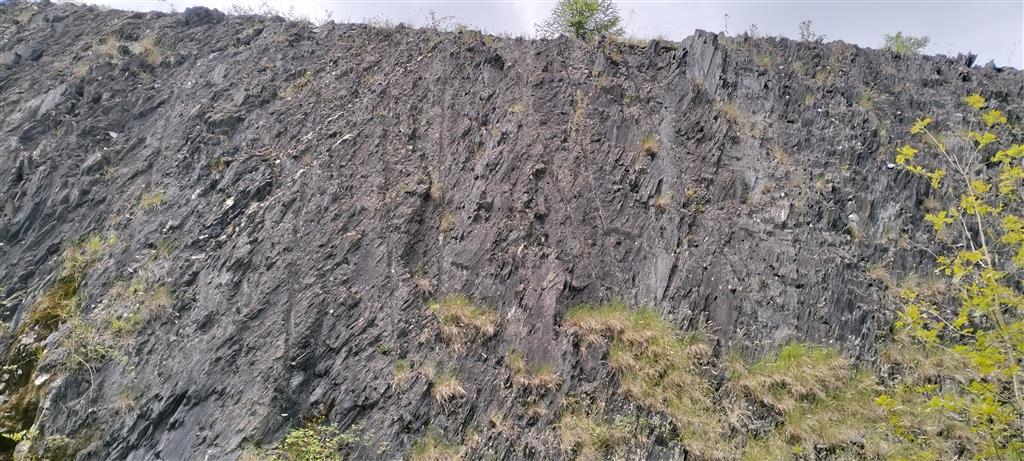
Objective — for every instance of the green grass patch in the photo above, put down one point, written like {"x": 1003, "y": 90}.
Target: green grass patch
{"x": 461, "y": 320}
{"x": 657, "y": 369}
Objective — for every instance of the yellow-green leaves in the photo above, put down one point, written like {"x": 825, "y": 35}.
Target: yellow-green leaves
{"x": 974, "y": 100}
{"x": 935, "y": 177}
{"x": 939, "y": 220}
{"x": 886, "y": 401}
{"x": 1009, "y": 176}
{"x": 1009, "y": 154}
{"x": 905, "y": 158}
{"x": 979, "y": 187}
{"x": 983, "y": 139}
{"x": 993, "y": 117}
{"x": 958, "y": 267}
{"x": 974, "y": 205}
{"x": 968, "y": 334}
{"x": 905, "y": 154}
{"x": 920, "y": 125}
{"x": 1014, "y": 227}
{"x": 1013, "y": 235}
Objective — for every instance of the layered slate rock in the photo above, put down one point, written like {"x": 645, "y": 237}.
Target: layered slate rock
{"x": 318, "y": 185}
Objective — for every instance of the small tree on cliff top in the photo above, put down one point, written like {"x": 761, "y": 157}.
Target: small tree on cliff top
{"x": 959, "y": 349}
{"x": 583, "y": 19}
{"x": 905, "y": 44}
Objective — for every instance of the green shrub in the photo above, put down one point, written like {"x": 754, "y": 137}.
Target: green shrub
{"x": 314, "y": 442}
{"x": 905, "y": 44}
{"x": 959, "y": 384}
{"x": 807, "y": 34}
{"x": 583, "y": 19}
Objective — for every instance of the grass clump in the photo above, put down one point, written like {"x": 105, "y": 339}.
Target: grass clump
{"x": 662, "y": 201}
{"x": 61, "y": 300}
{"x": 148, "y": 49}
{"x": 403, "y": 372}
{"x": 297, "y": 86}
{"x": 109, "y": 48}
{"x": 432, "y": 447}
{"x": 657, "y": 369}
{"x": 822, "y": 401}
{"x": 650, "y": 145}
{"x": 799, "y": 372}
{"x": 590, "y": 437}
{"x": 445, "y": 387}
{"x": 779, "y": 154}
{"x": 461, "y": 320}
{"x": 542, "y": 376}
{"x": 151, "y": 199}
{"x": 143, "y": 300}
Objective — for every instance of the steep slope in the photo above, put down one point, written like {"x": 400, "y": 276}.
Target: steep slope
{"x": 285, "y": 200}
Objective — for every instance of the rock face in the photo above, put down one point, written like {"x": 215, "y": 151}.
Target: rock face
{"x": 302, "y": 192}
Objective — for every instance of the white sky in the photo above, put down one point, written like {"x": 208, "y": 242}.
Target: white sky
{"x": 992, "y": 29}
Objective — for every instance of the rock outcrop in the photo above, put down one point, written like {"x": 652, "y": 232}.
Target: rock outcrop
{"x": 285, "y": 199}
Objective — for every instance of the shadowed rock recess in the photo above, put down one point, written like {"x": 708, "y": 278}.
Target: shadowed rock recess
{"x": 263, "y": 212}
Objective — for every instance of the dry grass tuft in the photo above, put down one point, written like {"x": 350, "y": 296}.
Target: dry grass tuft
{"x": 542, "y": 376}
{"x": 662, "y": 201}
{"x": 148, "y": 49}
{"x": 798, "y": 372}
{"x": 445, "y": 387}
{"x": 779, "y": 154}
{"x": 657, "y": 369}
{"x": 151, "y": 199}
{"x": 592, "y": 438}
{"x": 461, "y": 320}
{"x": 650, "y": 145}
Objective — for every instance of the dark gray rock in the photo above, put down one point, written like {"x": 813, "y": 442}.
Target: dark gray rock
{"x": 201, "y": 15}
{"x": 30, "y": 51}
{"x": 321, "y": 185}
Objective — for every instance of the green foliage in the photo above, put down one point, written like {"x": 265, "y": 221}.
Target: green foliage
{"x": 314, "y": 442}
{"x": 461, "y": 320}
{"x": 58, "y": 305}
{"x": 432, "y": 447}
{"x": 959, "y": 353}
{"x": 15, "y": 436}
{"x": 905, "y": 44}
{"x": 582, "y": 19}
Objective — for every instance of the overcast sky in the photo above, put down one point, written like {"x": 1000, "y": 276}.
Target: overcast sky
{"x": 992, "y": 29}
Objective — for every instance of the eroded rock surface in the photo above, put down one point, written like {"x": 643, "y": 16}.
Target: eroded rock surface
{"x": 304, "y": 191}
